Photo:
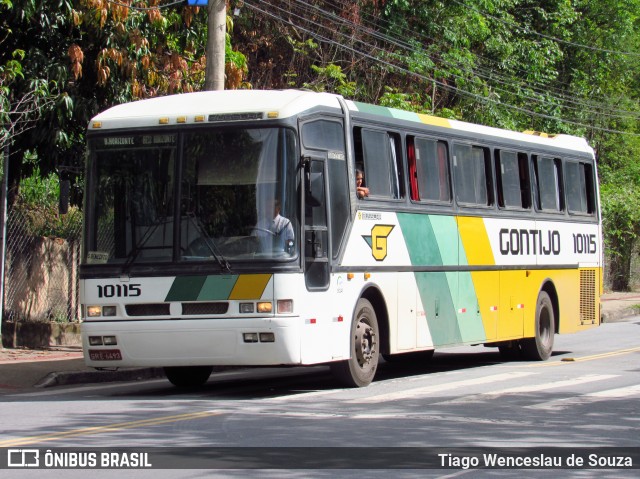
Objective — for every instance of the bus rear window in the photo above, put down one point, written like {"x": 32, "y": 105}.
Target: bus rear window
{"x": 579, "y": 184}
{"x": 548, "y": 183}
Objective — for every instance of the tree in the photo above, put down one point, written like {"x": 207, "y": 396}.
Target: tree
{"x": 92, "y": 54}
{"x": 18, "y": 113}
{"x": 552, "y": 66}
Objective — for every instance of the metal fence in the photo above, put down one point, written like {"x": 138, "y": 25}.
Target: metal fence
{"x": 41, "y": 274}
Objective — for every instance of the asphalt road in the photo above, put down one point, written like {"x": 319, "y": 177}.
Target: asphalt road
{"x": 585, "y": 398}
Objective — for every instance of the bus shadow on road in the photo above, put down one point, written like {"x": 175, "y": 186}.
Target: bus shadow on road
{"x": 282, "y": 382}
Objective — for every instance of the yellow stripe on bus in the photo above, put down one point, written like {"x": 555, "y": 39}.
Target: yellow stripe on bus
{"x": 475, "y": 240}
{"x": 250, "y": 286}
{"x": 434, "y": 120}
{"x": 477, "y": 249}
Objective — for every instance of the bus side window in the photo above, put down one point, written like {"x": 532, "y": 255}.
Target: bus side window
{"x": 378, "y": 151}
{"x": 432, "y": 169}
{"x": 548, "y": 172}
{"x": 328, "y": 135}
{"x": 472, "y": 175}
{"x": 579, "y": 185}
{"x": 413, "y": 174}
{"x": 512, "y": 176}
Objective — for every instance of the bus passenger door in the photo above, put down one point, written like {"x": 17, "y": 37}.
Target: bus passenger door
{"x": 316, "y": 237}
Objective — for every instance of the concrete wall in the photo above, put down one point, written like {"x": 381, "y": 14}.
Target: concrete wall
{"x": 37, "y": 335}
{"x": 41, "y": 281}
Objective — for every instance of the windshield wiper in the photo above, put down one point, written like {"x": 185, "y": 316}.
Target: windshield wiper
{"x": 139, "y": 246}
{"x": 211, "y": 245}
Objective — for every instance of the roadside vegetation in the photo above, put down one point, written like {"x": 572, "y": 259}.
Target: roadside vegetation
{"x": 557, "y": 66}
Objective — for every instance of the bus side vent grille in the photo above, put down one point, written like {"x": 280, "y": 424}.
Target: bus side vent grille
{"x": 156, "y": 309}
{"x": 204, "y": 308}
{"x": 588, "y": 296}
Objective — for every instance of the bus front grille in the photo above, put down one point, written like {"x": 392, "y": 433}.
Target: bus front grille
{"x": 204, "y": 308}
{"x": 152, "y": 309}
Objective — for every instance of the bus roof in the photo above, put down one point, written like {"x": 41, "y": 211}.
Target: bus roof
{"x": 228, "y": 105}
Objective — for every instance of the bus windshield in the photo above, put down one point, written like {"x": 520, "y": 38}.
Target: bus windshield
{"x": 235, "y": 199}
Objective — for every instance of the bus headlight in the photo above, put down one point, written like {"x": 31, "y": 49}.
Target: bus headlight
{"x": 246, "y": 308}
{"x": 94, "y": 311}
{"x": 267, "y": 337}
{"x": 250, "y": 337}
{"x": 285, "y": 306}
{"x": 265, "y": 307}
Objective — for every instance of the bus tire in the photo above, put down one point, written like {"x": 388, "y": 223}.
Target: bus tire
{"x": 188, "y": 376}
{"x": 360, "y": 368}
{"x": 540, "y": 347}
{"x": 510, "y": 351}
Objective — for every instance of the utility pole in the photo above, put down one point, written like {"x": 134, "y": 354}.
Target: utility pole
{"x": 3, "y": 227}
{"x": 216, "y": 39}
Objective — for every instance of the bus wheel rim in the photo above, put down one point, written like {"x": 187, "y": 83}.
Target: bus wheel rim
{"x": 365, "y": 343}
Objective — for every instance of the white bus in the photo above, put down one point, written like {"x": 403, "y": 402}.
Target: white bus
{"x": 224, "y": 228}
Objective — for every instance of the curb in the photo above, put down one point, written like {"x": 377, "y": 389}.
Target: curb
{"x": 74, "y": 377}
{"x": 618, "y": 316}
{"x": 66, "y": 378}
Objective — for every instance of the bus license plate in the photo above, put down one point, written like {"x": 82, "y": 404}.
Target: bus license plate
{"x": 105, "y": 355}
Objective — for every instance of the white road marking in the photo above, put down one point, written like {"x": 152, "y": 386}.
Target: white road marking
{"x": 529, "y": 388}
{"x": 419, "y": 392}
{"x": 616, "y": 393}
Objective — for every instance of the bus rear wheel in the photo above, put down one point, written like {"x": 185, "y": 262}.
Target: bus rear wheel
{"x": 188, "y": 376}
{"x": 540, "y": 347}
{"x": 360, "y": 368}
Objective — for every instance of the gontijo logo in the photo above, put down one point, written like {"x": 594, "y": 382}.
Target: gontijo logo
{"x": 377, "y": 241}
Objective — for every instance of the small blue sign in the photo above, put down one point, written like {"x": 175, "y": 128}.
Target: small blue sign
{"x": 197, "y": 2}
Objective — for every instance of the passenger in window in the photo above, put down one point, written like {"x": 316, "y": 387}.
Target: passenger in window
{"x": 361, "y": 190}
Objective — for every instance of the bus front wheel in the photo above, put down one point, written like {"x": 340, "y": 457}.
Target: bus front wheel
{"x": 188, "y": 376}
{"x": 360, "y": 368}
{"x": 539, "y": 348}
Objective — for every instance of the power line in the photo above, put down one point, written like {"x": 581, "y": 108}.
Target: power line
{"x": 560, "y": 102}
{"x": 443, "y": 85}
{"x": 311, "y": 10}
{"x": 542, "y": 35}
{"x": 490, "y": 74}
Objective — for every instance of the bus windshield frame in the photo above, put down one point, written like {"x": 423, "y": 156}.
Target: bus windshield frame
{"x": 229, "y": 195}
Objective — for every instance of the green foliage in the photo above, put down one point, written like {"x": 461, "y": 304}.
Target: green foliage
{"x": 621, "y": 214}
{"x": 557, "y": 66}
{"x": 38, "y": 206}
{"x": 403, "y": 101}
{"x": 332, "y": 79}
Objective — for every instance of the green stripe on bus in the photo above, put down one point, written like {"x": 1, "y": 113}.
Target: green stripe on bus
{"x": 217, "y": 288}
{"x": 432, "y": 240}
{"x": 469, "y": 322}
{"x": 201, "y": 288}
{"x": 185, "y": 288}
{"x": 373, "y": 109}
